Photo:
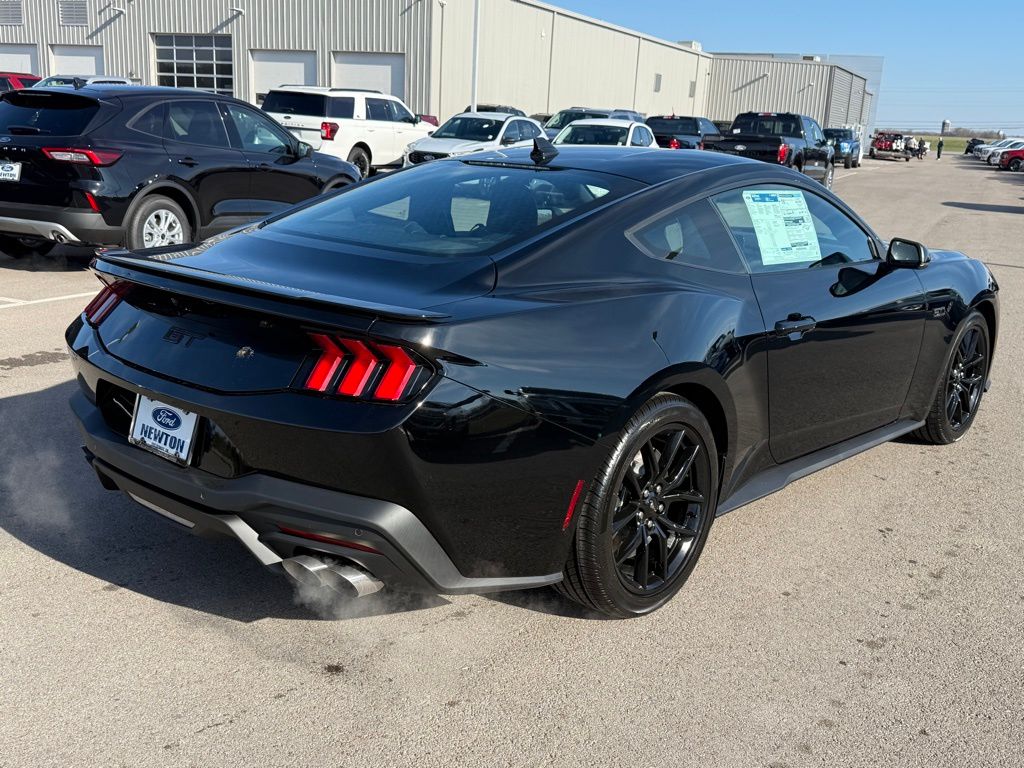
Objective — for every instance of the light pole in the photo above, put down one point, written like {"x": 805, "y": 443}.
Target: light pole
{"x": 476, "y": 51}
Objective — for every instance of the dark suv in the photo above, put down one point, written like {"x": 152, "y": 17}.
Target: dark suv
{"x": 145, "y": 167}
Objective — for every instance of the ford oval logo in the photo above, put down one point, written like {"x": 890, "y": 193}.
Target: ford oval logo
{"x": 740, "y": 147}
{"x": 166, "y": 418}
{"x": 6, "y": 167}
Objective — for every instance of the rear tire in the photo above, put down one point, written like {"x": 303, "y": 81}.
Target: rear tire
{"x": 361, "y": 160}
{"x": 157, "y": 222}
{"x": 961, "y": 384}
{"x": 1015, "y": 164}
{"x": 646, "y": 515}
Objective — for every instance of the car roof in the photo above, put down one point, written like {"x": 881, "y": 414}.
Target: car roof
{"x": 17, "y": 74}
{"x": 609, "y": 121}
{"x": 644, "y": 164}
{"x": 490, "y": 115}
{"x": 329, "y": 91}
{"x": 106, "y": 90}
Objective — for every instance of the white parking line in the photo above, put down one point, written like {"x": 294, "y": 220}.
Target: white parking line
{"x": 66, "y": 297}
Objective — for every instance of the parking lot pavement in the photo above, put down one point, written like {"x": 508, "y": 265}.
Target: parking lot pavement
{"x": 869, "y": 615}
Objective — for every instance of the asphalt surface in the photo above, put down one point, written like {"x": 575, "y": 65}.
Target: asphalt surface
{"x": 869, "y": 615}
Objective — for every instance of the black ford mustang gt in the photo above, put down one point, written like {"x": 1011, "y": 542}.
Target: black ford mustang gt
{"x": 518, "y": 369}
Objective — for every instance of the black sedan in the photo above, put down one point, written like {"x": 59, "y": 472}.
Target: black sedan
{"x": 518, "y": 368}
{"x": 145, "y": 167}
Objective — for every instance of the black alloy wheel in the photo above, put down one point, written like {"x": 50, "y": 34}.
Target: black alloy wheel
{"x": 660, "y": 509}
{"x": 1015, "y": 164}
{"x": 962, "y": 384}
{"x": 647, "y": 514}
{"x": 361, "y": 160}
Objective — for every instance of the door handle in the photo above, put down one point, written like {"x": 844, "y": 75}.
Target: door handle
{"x": 795, "y": 326}
{"x": 190, "y": 162}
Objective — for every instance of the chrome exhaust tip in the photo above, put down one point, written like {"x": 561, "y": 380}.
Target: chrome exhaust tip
{"x": 341, "y": 579}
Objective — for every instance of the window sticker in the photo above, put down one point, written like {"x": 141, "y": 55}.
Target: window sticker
{"x": 783, "y": 225}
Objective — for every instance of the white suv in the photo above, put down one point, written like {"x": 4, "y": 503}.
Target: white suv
{"x": 370, "y": 129}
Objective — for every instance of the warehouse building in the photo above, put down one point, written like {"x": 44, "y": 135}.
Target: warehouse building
{"x": 533, "y": 55}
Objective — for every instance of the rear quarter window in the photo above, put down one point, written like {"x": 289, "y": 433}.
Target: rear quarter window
{"x": 39, "y": 113}
{"x": 293, "y": 103}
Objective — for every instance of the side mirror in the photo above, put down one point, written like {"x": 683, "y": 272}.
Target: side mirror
{"x": 303, "y": 149}
{"x": 508, "y": 140}
{"x": 907, "y": 253}
{"x": 430, "y": 133}
{"x": 831, "y": 142}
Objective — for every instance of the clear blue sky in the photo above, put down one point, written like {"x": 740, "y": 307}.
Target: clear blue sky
{"x": 941, "y": 60}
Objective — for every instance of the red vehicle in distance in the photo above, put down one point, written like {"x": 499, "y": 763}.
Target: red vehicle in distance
{"x": 1012, "y": 160}
{"x": 13, "y": 81}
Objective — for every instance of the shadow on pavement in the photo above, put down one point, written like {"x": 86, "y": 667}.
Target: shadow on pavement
{"x": 51, "y": 501}
{"x": 986, "y": 207}
{"x": 60, "y": 259}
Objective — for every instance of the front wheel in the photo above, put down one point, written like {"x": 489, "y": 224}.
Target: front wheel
{"x": 961, "y": 384}
{"x": 848, "y": 162}
{"x": 1015, "y": 164}
{"x": 647, "y": 513}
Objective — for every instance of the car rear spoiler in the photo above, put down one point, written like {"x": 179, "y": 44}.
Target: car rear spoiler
{"x": 246, "y": 292}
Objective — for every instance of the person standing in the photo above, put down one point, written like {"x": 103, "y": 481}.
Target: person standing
{"x": 938, "y": 149}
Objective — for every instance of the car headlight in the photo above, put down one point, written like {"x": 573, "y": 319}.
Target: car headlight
{"x": 844, "y": 146}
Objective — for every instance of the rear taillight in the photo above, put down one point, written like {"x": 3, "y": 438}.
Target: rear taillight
{"x": 674, "y": 143}
{"x": 328, "y": 131}
{"x": 97, "y": 310}
{"x": 364, "y": 369}
{"x": 79, "y": 156}
{"x": 783, "y": 153}
{"x": 701, "y": 145}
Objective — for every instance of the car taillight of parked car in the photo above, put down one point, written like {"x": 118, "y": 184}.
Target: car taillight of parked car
{"x": 364, "y": 369}
{"x": 674, "y": 143}
{"x": 328, "y": 131}
{"x": 783, "y": 153}
{"x": 80, "y": 156}
{"x": 109, "y": 297}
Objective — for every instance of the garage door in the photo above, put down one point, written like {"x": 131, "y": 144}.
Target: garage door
{"x": 77, "y": 60}
{"x": 19, "y": 58}
{"x": 376, "y": 71}
{"x": 273, "y": 68}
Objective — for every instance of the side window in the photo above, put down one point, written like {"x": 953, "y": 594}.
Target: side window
{"x": 512, "y": 133}
{"x": 195, "y": 122}
{"x": 708, "y": 128}
{"x": 637, "y": 139}
{"x": 341, "y": 106}
{"x": 5, "y": 85}
{"x": 399, "y": 113}
{"x": 692, "y": 235}
{"x": 528, "y": 130}
{"x": 150, "y": 121}
{"x": 255, "y": 132}
{"x": 377, "y": 109}
{"x": 783, "y": 228}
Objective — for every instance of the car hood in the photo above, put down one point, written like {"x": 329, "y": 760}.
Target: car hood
{"x": 450, "y": 146}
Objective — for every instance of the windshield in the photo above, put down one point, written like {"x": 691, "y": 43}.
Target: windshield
{"x": 31, "y": 113}
{"x": 593, "y": 134}
{"x": 451, "y": 208}
{"x": 470, "y": 129}
{"x": 839, "y": 134}
{"x": 57, "y": 82}
{"x": 677, "y": 125}
{"x": 566, "y": 116}
{"x": 767, "y": 125}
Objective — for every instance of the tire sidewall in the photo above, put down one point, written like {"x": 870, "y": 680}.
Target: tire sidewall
{"x": 361, "y": 160}
{"x": 134, "y": 235}
{"x": 661, "y": 412}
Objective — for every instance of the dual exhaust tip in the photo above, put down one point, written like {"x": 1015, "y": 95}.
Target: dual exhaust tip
{"x": 343, "y": 580}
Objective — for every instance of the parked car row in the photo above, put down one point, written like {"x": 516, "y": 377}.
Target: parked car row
{"x": 992, "y": 154}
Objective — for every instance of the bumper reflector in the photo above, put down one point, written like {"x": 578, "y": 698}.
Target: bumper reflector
{"x": 327, "y": 538}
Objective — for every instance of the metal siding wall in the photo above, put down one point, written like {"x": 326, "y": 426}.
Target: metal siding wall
{"x": 678, "y": 69}
{"x": 738, "y": 85}
{"x": 592, "y": 66}
{"x": 839, "y": 103}
{"x": 324, "y": 26}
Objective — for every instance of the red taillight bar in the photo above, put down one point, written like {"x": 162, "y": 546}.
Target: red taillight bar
{"x": 327, "y": 538}
{"x": 80, "y": 156}
{"x": 783, "y": 153}
{"x": 368, "y": 370}
{"x": 328, "y": 131}
{"x": 109, "y": 296}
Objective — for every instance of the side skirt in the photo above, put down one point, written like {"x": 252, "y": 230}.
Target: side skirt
{"x": 778, "y": 477}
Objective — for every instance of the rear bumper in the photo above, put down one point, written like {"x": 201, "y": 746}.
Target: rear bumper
{"x": 66, "y": 225}
{"x": 391, "y": 542}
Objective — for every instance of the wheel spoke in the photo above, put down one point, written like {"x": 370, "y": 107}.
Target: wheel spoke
{"x": 691, "y": 496}
{"x": 684, "y": 470}
{"x": 650, "y": 462}
{"x": 662, "y": 540}
{"x": 675, "y": 527}
{"x": 630, "y": 549}
{"x": 668, "y": 456}
{"x": 951, "y": 403}
{"x": 633, "y": 483}
{"x": 622, "y": 522}
{"x": 970, "y": 343}
{"x": 642, "y": 566}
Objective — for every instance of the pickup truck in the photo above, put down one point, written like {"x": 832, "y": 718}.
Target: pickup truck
{"x": 889, "y": 146}
{"x": 846, "y": 142}
{"x": 676, "y": 132}
{"x": 795, "y": 141}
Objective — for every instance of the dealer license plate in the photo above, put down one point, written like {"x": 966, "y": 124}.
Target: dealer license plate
{"x": 166, "y": 430}
{"x": 10, "y": 171}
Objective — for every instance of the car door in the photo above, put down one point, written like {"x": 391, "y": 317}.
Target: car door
{"x": 380, "y": 133}
{"x": 203, "y": 160}
{"x": 406, "y": 125}
{"x": 817, "y": 148}
{"x": 278, "y": 176}
{"x": 510, "y": 134}
{"x": 845, "y": 328}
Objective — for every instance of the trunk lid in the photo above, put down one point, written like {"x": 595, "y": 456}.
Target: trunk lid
{"x": 764, "y": 148}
